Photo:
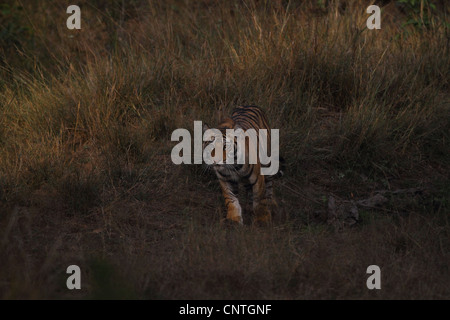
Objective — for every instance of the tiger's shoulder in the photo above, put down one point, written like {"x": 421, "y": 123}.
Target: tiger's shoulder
{"x": 247, "y": 109}
{"x": 250, "y": 116}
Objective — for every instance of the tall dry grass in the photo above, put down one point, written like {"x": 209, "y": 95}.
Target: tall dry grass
{"x": 86, "y": 118}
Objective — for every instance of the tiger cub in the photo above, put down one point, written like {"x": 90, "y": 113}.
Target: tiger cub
{"x": 259, "y": 187}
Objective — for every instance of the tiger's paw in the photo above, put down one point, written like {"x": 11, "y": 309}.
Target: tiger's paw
{"x": 233, "y": 220}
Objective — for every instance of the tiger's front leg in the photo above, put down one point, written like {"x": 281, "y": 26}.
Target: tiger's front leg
{"x": 230, "y": 192}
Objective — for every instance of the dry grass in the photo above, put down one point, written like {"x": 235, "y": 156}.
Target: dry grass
{"x": 85, "y": 170}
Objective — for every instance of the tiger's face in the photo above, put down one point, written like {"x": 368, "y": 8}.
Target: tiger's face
{"x": 225, "y": 146}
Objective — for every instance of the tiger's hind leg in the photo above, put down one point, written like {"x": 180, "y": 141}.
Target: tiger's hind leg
{"x": 261, "y": 205}
{"x": 269, "y": 196}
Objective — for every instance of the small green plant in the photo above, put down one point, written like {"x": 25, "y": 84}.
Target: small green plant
{"x": 419, "y": 12}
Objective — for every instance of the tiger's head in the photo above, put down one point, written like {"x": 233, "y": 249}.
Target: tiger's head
{"x": 217, "y": 141}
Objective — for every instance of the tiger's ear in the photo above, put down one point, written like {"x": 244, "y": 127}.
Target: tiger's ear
{"x": 227, "y": 123}
{"x": 205, "y": 127}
